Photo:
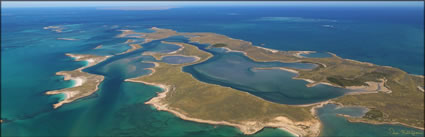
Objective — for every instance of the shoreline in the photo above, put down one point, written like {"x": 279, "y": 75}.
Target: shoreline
{"x": 178, "y": 44}
{"x": 312, "y": 83}
{"x": 352, "y": 119}
{"x": 157, "y": 103}
{"x": 298, "y": 54}
{"x": 421, "y": 89}
{"x": 74, "y": 92}
{"x": 309, "y": 127}
{"x": 160, "y": 105}
{"x": 373, "y": 87}
{"x": 362, "y": 120}
{"x": 267, "y": 49}
{"x": 180, "y": 55}
{"x": 231, "y": 50}
{"x": 246, "y": 127}
{"x": 133, "y": 47}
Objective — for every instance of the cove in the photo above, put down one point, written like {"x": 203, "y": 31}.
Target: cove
{"x": 335, "y": 125}
{"x": 118, "y": 109}
{"x": 237, "y": 71}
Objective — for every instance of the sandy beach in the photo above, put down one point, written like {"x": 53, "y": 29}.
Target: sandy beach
{"x": 267, "y": 49}
{"x": 80, "y": 79}
{"x": 420, "y": 88}
{"x": 248, "y": 128}
{"x": 373, "y": 87}
{"x": 230, "y": 50}
{"x": 178, "y": 44}
{"x": 298, "y": 54}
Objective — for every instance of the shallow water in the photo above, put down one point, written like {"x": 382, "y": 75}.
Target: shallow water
{"x": 118, "y": 109}
{"x": 234, "y": 70}
{"x": 31, "y": 56}
{"x": 178, "y": 59}
{"x": 335, "y": 125}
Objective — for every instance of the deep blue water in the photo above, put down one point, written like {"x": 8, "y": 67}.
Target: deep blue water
{"x": 386, "y": 36}
{"x": 31, "y": 56}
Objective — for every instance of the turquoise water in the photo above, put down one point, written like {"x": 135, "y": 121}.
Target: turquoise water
{"x": 118, "y": 108}
{"x": 31, "y": 56}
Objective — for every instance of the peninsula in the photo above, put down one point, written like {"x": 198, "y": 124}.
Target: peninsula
{"x": 239, "y": 109}
{"x": 391, "y": 91}
{"x": 85, "y": 83}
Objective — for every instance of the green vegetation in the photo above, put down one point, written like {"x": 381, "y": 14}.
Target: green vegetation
{"x": 405, "y": 104}
{"x": 345, "y": 82}
{"x": 89, "y": 82}
{"x": 218, "y": 45}
{"x": 213, "y": 102}
{"x": 374, "y": 114}
{"x": 357, "y": 81}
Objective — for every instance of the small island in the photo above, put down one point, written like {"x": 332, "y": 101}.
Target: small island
{"x": 85, "y": 83}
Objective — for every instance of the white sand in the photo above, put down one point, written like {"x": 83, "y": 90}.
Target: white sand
{"x": 230, "y": 50}
{"x": 271, "y": 50}
{"x": 78, "y": 81}
{"x": 250, "y": 127}
{"x": 90, "y": 61}
{"x": 372, "y": 87}
{"x": 247, "y": 127}
{"x": 420, "y": 88}
{"x": 298, "y": 54}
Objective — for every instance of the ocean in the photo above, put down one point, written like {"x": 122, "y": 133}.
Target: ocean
{"x": 31, "y": 55}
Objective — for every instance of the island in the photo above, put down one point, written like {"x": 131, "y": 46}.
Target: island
{"x": 85, "y": 83}
{"x": 215, "y": 104}
{"x": 388, "y": 93}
